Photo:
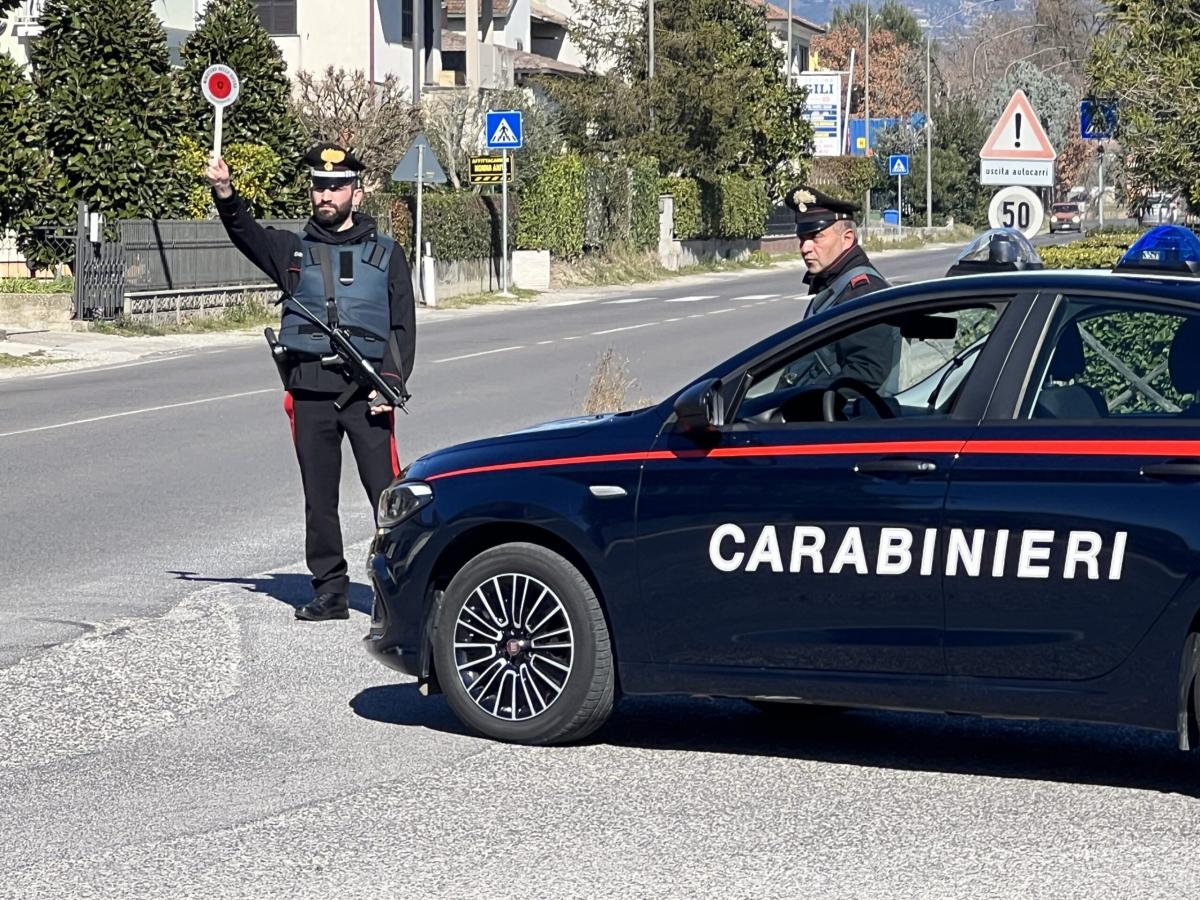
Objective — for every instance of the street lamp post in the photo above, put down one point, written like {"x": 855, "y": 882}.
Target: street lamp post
{"x": 929, "y": 105}
{"x": 650, "y": 32}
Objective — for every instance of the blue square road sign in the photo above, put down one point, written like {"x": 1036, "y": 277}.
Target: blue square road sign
{"x": 502, "y": 128}
{"x": 898, "y": 164}
{"x": 1097, "y": 119}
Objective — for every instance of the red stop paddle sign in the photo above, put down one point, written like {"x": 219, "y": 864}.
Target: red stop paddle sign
{"x": 220, "y": 85}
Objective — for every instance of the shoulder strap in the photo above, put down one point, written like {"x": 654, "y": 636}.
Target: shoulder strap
{"x": 823, "y": 300}
{"x": 325, "y": 260}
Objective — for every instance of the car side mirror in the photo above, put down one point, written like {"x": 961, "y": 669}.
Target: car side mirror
{"x": 701, "y": 407}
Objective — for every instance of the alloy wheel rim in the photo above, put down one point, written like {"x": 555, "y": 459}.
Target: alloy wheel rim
{"x": 514, "y": 647}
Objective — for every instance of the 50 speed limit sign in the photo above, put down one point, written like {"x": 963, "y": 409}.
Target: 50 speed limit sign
{"x": 1017, "y": 207}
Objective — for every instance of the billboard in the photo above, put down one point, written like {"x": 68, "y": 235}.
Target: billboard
{"x": 823, "y": 109}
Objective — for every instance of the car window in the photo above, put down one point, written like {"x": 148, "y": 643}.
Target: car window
{"x": 1105, "y": 361}
{"x": 913, "y": 363}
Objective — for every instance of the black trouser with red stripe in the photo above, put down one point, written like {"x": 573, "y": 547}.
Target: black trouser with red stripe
{"x": 317, "y": 430}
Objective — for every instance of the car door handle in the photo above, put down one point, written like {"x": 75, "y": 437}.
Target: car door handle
{"x": 896, "y": 467}
{"x": 1174, "y": 469}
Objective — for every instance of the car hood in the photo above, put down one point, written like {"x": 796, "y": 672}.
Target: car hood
{"x": 627, "y": 432}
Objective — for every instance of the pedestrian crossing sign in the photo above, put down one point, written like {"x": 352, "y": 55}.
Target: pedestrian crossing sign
{"x": 502, "y": 128}
{"x": 898, "y": 164}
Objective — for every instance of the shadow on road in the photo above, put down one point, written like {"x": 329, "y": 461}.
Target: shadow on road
{"x": 293, "y": 589}
{"x": 961, "y": 745}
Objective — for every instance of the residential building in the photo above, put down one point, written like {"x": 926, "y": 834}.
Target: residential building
{"x": 19, "y": 27}
{"x": 780, "y": 20}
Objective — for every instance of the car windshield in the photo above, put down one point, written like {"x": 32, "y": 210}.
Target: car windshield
{"x": 1065, "y": 208}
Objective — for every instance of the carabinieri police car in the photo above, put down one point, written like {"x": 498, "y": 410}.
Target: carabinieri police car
{"x": 995, "y": 514}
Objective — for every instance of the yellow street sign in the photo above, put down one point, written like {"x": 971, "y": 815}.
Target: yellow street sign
{"x": 489, "y": 170}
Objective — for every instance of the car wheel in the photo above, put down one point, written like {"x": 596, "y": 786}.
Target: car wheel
{"x": 522, "y": 649}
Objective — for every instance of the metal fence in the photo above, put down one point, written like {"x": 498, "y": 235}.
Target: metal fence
{"x": 166, "y": 255}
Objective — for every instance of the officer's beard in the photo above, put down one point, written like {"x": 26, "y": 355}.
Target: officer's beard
{"x": 333, "y": 215}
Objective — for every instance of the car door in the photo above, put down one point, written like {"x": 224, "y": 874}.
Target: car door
{"x": 1074, "y": 503}
{"x": 784, "y": 541}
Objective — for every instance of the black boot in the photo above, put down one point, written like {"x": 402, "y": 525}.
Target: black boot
{"x": 325, "y": 607}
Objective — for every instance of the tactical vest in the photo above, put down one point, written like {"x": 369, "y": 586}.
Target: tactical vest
{"x": 356, "y": 277}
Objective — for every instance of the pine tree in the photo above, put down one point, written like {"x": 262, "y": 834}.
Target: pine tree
{"x": 101, "y": 73}
{"x": 231, "y": 34}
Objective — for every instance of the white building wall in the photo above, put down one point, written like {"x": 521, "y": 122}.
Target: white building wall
{"x": 341, "y": 38}
{"x": 516, "y": 27}
{"x": 569, "y": 52}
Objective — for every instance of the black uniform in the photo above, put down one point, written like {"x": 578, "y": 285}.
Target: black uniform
{"x": 313, "y": 386}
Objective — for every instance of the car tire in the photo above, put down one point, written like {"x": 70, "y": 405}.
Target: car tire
{"x": 522, "y": 649}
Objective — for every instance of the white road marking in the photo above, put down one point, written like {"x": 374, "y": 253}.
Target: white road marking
{"x": 624, "y": 328}
{"x": 692, "y": 299}
{"x": 92, "y": 369}
{"x": 138, "y": 412}
{"x": 696, "y": 316}
{"x": 676, "y": 319}
{"x": 573, "y": 337}
{"x": 717, "y": 312}
{"x": 627, "y": 300}
{"x": 757, "y": 297}
{"x": 480, "y": 353}
{"x": 544, "y": 343}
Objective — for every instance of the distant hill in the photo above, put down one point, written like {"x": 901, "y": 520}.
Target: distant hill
{"x": 821, "y": 11}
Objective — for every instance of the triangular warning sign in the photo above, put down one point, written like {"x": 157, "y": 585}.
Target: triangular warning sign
{"x": 503, "y": 134}
{"x": 1018, "y": 134}
{"x": 420, "y": 163}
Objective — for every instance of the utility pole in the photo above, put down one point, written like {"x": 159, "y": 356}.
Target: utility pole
{"x": 418, "y": 44}
{"x": 472, "y": 44}
{"x": 928, "y": 125}
{"x": 867, "y": 124}
{"x": 650, "y": 35}
{"x": 789, "y": 44}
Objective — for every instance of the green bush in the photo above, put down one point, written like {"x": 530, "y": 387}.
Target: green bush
{"x": 254, "y": 169}
{"x": 459, "y": 224}
{"x": 644, "y": 203}
{"x": 686, "y": 192}
{"x": 1096, "y": 251}
{"x": 552, "y": 208}
{"x": 734, "y": 207}
{"x": 844, "y": 177}
{"x": 606, "y": 203}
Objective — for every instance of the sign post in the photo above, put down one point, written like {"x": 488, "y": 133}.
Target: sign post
{"x": 823, "y": 108}
{"x": 1098, "y": 122}
{"x": 220, "y": 87}
{"x": 502, "y": 128}
{"x": 420, "y": 165}
{"x": 898, "y": 166}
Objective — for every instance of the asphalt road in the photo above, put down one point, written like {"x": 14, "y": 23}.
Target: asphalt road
{"x": 167, "y": 729}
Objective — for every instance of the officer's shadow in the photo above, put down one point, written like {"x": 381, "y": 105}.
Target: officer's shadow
{"x": 292, "y": 588}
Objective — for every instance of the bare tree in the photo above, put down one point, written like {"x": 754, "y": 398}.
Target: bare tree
{"x": 377, "y": 121}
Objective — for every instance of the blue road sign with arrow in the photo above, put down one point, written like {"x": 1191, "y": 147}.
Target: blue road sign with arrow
{"x": 502, "y": 129}
{"x": 1097, "y": 119}
{"x": 898, "y": 164}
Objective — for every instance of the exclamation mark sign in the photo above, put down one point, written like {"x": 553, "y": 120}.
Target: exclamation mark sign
{"x": 1017, "y": 142}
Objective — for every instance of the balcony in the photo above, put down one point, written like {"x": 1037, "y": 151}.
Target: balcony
{"x": 28, "y": 19}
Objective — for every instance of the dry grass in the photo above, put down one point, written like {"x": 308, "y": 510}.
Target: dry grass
{"x": 610, "y": 386}
{"x": 36, "y": 358}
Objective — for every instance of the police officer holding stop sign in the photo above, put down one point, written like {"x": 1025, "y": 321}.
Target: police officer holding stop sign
{"x": 340, "y": 256}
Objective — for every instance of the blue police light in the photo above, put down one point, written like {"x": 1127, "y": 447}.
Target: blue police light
{"x": 997, "y": 250}
{"x": 1168, "y": 249}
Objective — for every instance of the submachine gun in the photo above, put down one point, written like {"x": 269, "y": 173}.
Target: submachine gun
{"x": 361, "y": 371}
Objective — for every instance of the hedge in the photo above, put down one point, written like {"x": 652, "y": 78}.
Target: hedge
{"x": 734, "y": 207}
{"x": 459, "y": 224}
{"x": 844, "y": 177}
{"x": 644, "y": 202}
{"x": 1097, "y": 251}
{"x": 686, "y": 192}
{"x": 552, "y": 207}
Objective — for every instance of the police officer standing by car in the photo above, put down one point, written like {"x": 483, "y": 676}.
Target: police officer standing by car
{"x": 838, "y": 271}
{"x": 340, "y": 256}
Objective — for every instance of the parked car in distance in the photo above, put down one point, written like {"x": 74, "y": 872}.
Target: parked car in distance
{"x": 1066, "y": 217}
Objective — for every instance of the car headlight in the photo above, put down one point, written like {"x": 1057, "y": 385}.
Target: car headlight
{"x": 401, "y": 500}
{"x": 1074, "y": 218}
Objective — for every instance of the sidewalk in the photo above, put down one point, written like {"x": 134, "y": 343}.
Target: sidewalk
{"x": 66, "y": 350}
